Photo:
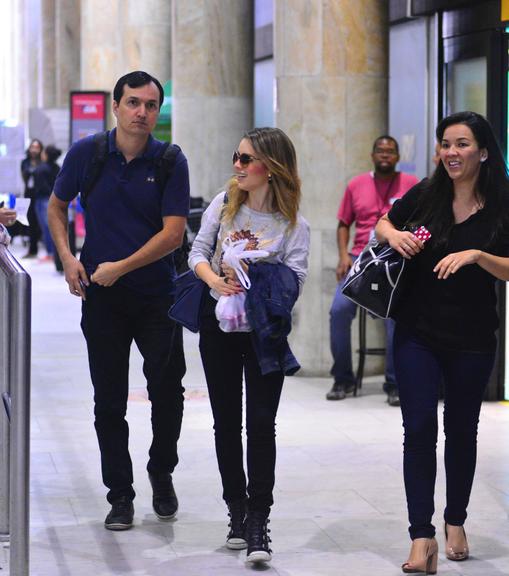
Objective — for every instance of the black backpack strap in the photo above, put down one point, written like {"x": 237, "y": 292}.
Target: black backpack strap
{"x": 164, "y": 164}
{"x": 163, "y": 170}
{"x": 96, "y": 166}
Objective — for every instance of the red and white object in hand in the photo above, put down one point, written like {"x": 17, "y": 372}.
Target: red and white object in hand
{"x": 422, "y": 233}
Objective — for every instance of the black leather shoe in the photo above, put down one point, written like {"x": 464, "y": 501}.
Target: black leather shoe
{"x": 121, "y": 515}
{"x": 258, "y": 539}
{"x": 164, "y": 499}
{"x": 337, "y": 392}
{"x": 393, "y": 398}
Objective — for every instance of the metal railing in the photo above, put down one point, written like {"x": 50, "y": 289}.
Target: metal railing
{"x": 15, "y": 319}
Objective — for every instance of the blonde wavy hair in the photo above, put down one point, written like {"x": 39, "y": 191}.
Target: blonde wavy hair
{"x": 273, "y": 147}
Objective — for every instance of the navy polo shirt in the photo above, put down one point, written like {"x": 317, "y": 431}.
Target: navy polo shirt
{"x": 125, "y": 208}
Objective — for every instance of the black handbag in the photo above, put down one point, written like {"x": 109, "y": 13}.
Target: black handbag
{"x": 188, "y": 304}
{"x": 190, "y": 294}
{"x": 375, "y": 279}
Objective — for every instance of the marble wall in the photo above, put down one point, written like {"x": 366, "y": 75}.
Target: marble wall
{"x": 331, "y": 73}
{"x": 120, "y": 36}
{"x": 47, "y": 55}
{"x": 212, "y": 55}
{"x": 67, "y": 50}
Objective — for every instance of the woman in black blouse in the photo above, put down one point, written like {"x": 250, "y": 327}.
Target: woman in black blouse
{"x": 28, "y": 166}
{"x": 44, "y": 179}
{"x": 446, "y": 321}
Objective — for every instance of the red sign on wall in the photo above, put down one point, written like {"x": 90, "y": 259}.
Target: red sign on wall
{"x": 88, "y": 114}
{"x": 87, "y": 106}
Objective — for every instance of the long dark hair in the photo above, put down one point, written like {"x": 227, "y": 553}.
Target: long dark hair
{"x": 27, "y": 152}
{"x": 435, "y": 202}
{"x": 52, "y": 153}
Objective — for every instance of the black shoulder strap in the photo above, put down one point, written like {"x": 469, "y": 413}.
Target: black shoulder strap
{"x": 96, "y": 166}
{"x": 164, "y": 164}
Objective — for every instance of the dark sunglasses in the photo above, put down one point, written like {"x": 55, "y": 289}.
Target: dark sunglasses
{"x": 244, "y": 159}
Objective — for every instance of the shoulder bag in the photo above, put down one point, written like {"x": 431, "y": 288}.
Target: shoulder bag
{"x": 189, "y": 294}
{"x": 375, "y": 279}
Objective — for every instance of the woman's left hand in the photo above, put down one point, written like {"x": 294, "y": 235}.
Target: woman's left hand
{"x": 453, "y": 262}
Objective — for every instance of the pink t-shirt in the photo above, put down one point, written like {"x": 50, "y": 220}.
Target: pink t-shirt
{"x": 364, "y": 204}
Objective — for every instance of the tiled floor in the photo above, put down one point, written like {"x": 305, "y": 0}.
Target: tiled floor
{"x": 339, "y": 511}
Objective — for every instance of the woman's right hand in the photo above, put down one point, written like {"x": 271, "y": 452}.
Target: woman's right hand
{"x": 405, "y": 243}
{"x": 225, "y": 286}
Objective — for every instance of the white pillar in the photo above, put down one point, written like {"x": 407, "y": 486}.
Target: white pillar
{"x": 212, "y": 66}
{"x": 120, "y": 36}
{"x": 331, "y": 72}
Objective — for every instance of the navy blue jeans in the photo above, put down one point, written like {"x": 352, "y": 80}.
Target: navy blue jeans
{"x": 226, "y": 358}
{"x": 420, "y": 369}
{"x": 112, "y": 318}
{"x": 342, "y": 314}
{"x": 41, "y": 209}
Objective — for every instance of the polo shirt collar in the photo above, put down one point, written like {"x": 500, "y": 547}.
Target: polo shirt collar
{"x": 150, "y": 150}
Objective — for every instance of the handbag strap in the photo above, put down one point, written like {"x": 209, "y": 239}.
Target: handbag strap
{"x": 225, "y": 202}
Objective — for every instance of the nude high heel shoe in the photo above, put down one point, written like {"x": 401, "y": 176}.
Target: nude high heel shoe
{"x": 454, "y": 553}
{"x": 426, "y": 564}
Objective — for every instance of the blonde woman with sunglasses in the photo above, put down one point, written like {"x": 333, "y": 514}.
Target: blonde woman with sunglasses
{"x": 261, "y": 206}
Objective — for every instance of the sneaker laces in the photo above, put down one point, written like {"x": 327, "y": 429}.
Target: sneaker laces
{"x": 237, "y": 514}
{"x": 258, "y": 532}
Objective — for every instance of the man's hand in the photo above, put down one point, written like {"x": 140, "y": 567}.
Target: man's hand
{"x": 75, "y": 276}
{"x": 343, "y": 267}
{"x": 107, "y": 273}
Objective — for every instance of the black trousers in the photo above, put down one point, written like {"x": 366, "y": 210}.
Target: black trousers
{"x": 420, "y": 369}
{"x": 226, "y": 358}
{"x": 111, "y": 319}
{"x": 34, "y": 232}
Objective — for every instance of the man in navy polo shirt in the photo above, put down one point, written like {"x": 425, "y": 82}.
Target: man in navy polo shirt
{"x": 125, "y": 280}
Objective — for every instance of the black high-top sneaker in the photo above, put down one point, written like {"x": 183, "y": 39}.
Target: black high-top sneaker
{"x": 236, "y": 539}
{"x": 258, "y": 539}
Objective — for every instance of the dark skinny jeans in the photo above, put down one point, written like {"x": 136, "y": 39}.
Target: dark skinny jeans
{"x": 226, "y": 357}
{"x": 420, "y": 369}
{"x": 112, "y": 318}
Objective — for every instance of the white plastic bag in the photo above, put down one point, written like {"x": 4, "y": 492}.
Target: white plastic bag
{"x": 231, "y": 313}
{"x": 230, "y": 310}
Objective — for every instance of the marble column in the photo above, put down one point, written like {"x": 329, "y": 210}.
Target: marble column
{"x": 120, "y": 36}
{"x": 212, "y": 52}
{"x": 31, "y": 43}
{"x": 331, "y": 73}
{"x": 47, "y": 55}
{"x": 67, "y": 50}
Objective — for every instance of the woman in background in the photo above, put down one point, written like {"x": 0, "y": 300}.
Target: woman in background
{"x": 28, "y": 166}
{"x": 44, "y": 179}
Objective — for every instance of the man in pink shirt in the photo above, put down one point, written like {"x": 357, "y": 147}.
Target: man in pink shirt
{"x": 367, "y": 197}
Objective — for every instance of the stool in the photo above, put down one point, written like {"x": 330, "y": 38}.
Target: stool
{"x": 363, "y": 350}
